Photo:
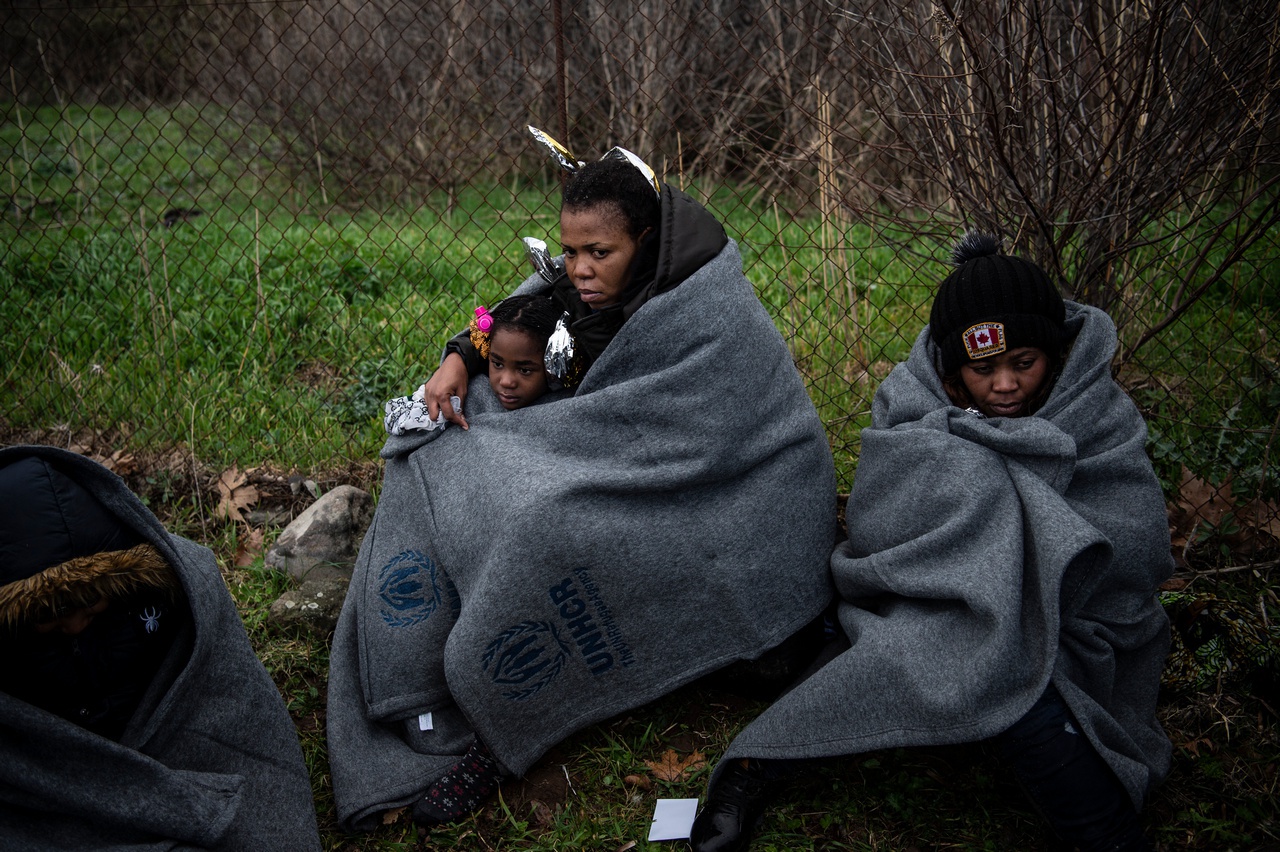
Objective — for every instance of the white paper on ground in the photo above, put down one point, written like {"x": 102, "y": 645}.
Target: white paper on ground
{"x": 673, "y": 819}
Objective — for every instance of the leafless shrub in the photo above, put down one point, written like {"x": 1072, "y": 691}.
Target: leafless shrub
{"x": 438, "y": 92}
{"x": 393, "y": 93}
{"x": 427, "y": 93}
{"x": 1117, "y": 143}
{"x": 95, "y": 51}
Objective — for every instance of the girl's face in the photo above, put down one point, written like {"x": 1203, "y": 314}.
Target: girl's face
{"x": 516, "y": 373}
{"x": 1004, "y": 385}
{"x": 598, "y": 252}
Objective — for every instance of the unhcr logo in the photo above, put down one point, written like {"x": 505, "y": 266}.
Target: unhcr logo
{"x": 525, "y": 658}
{"x": 409, "y": 589}
{"x": 582, "y": 626}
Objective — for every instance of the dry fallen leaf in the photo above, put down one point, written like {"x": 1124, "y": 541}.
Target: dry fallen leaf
{"x": 235, "y": 494}
{"x": 638, "y": 781}
{"x": 1201, "y": 500}
{"x": 673, "y": 768}
{"x": 248, "y": 548}
{"x": 120, "y": 462}
{"x": 542, "y": 815}
{"x": 388, "y": 817}
{"x": 1266, "y": 517}
{"x": 1193, "y": 746}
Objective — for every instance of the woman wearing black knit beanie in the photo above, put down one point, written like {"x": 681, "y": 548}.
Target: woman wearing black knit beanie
{"x": 1006, "y": 538}
{"x": 998, "y": 324}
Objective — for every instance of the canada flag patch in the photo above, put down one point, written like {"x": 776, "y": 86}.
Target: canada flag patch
{"x": 984, "y": 340}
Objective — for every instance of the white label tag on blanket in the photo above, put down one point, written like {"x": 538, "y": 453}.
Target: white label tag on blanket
{"x": 673, "y": 819}
{"x": 424, "y": 722}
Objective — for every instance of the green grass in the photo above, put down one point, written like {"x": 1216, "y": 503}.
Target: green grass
{"x": 271, "y": 328}
{"x": 268, "y": 331}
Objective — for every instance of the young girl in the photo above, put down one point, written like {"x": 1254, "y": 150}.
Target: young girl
{"x": 1006, "y": 538}
{"x": 514, "y": 347}
{"x": 511, "y": 340}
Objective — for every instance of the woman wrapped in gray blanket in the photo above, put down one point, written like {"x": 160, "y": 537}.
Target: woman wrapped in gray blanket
{"x": 1006, "y": 538}
{"x": 550, "y": 565}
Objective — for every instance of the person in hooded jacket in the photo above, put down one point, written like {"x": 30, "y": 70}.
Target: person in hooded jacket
{"x": 88, "y": 610}
{"x": 623, "y": 244}
{"x": 133, "y": 712}
{"x": 556, "y": 565}
{"x": 1007, "y": 537}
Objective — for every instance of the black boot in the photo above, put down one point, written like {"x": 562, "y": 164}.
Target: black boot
{"x": 735, "y": 806}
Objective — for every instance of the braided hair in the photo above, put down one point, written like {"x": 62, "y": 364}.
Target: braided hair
{"x": 533, "y": 314}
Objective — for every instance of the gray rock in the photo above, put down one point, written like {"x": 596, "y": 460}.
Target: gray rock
{"x": 314, "y": 606}
{"x": 321, "y": 544}
{"x": 268, "y": 517}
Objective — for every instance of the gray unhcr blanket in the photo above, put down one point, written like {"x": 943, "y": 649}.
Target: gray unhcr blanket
{"x": 559, "y": 564}
{"x": 986, "y": 558}
{"x": 210, "y": 758}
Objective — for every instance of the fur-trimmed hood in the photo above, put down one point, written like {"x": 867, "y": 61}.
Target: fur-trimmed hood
{"x": 84, "y": 581}
{"x": 62, "y": 549}
{"x": 209, "y": 757}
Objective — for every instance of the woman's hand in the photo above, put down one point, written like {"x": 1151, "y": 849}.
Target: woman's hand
{"x": 449, "y": 380}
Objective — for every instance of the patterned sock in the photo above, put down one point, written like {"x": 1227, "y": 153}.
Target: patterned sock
{"x": 461, "y": 790}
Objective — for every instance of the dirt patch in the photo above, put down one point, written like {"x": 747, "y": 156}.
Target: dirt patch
{"x": 171, "y": 481}
{"x": 542, "y": 791}
{"x": 318, "y": 375}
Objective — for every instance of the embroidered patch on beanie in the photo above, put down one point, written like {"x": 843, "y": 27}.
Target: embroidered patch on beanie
{"x": 984, "y": 340}
{"x": 993, "y": 303}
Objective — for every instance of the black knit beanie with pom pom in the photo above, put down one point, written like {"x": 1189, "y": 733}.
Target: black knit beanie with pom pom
{"x": 992, "y": 303}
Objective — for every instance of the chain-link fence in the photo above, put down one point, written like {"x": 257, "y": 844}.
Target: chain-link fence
{"x": 233, "y": 229}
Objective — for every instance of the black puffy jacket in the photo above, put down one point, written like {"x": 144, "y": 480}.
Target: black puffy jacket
{"x": 62, "y": 551}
